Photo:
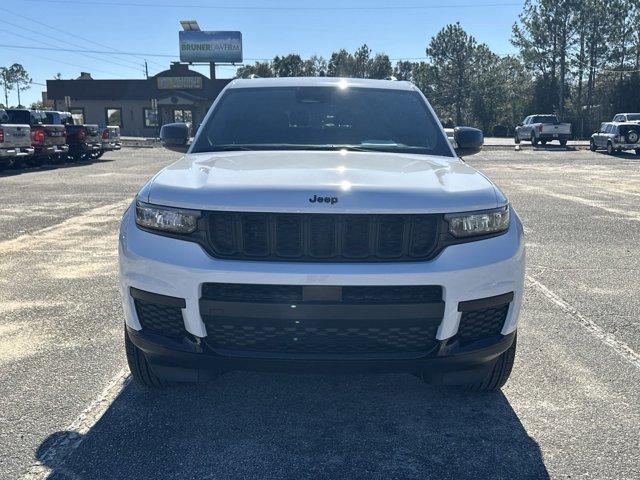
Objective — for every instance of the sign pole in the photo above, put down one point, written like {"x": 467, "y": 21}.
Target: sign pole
{"x": 212, "y": 70}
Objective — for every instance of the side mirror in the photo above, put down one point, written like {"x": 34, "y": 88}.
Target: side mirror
{"x": 175, "y": 136}
{"x": 468, "y": 140}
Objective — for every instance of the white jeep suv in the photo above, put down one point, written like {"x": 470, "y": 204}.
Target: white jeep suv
{"x": 322, "y": 224}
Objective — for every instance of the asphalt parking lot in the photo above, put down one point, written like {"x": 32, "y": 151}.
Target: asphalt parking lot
{"x": 570, "y": 410}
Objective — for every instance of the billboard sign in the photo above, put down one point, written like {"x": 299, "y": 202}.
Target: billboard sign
{"x": 218, "y": 47}
{"x": 179, "y": 83}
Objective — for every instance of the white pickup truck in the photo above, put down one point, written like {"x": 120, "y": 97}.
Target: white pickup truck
{"x": 321, "y": 224}
{"x": 542, "y": 129}
{"x": 15, "y": 141}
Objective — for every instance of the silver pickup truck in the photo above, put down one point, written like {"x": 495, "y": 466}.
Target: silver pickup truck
{"x": 542, "y": 129}
{"x": 48, "y": 140}
{"x": 15, "y": 141}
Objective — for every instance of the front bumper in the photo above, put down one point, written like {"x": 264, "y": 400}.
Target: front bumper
{"x": 177, "y": 268}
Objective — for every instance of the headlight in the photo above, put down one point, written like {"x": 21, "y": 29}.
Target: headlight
{"x": 483, "y": 222}
{"x": 166, "y": 219}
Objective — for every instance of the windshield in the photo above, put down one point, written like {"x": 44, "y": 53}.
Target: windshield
{"x": 549, "y": 119}
{"x": 301, "y": 118}
{"x": 633, "y": 117}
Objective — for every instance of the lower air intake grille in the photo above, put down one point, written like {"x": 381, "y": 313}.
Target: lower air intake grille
{"x": 278, "y": 337}
{"x": 160, "y": 319}
{"x": 261, "y": 293}
{"x": 478, "y": 324}
{"x": 280, "y": 320}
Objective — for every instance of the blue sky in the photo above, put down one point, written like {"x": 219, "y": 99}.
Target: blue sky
{"x": 396, "y": 28}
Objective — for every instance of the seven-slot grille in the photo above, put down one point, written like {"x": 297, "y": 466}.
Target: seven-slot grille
{"x": 322, "y": 237}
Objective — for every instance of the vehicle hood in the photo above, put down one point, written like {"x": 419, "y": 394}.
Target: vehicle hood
{"x": 357, "y": 182}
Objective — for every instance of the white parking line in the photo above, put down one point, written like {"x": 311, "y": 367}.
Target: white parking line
{"x": 607, "y": 338}
{"x": 59, "y": 451}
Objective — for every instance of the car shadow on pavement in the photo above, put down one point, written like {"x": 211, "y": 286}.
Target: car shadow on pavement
{"x": 22, "y": 169}
{"x": 623, "y": 155}
{"x": 261, "y": 426}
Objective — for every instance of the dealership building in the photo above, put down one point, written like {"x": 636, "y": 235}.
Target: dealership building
{"x": 139, "y": 107}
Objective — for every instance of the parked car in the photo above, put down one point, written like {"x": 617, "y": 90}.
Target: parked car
{"x": 84, "y": 141}
{"x": 359, "y": 241}
{"x": 616, "y": 137}
{"x": 110, "y": 141}
{"x": 15, "y": 141}
{"x": 626, "y": 117}
{"x": 48, "y": 140}
{"x": 542, "y": 129}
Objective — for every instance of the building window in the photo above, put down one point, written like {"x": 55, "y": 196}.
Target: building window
{"x": 78, "y": 115}
{"x": 180, "y": 115}
{"x": 150, "y": 117}
{"x": 114, "y": 117}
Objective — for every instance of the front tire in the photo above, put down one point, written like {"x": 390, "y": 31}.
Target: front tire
{"x": 516, "y": 138}
{"x": 637, "y": 151}
{"x": 139, "y": 366}
{"x": 592, "y": 146}
{"x": 563, "y": 142}
{"x": 499, "y": 374}
{"x": 534, "y": 139}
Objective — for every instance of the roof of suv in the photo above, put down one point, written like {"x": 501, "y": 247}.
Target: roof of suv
{"x": 321, "y": 82}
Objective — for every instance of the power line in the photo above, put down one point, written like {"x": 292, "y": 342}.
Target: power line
{"x": 60, "y": 49}
{"x": 276, "y": 8}
{"x": 58, "y": 30}
{"x": 26, "y": 47}
{"x": 137, "y": 68}
{"x": 55, "y": 60}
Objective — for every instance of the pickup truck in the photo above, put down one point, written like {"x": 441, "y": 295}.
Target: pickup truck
{"x": 321, "y": 224}
{"x": 48, "y": 140}
{"x": 84, "y": 141}
{"x": 110, "y": 140}
{"x": 15, "y": 141}
{"x": 542, "y": 129}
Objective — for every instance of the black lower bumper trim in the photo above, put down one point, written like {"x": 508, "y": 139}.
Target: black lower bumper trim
{"x": 157, "y": 298}
{"x": 488, "y": 302}
{"x": 185, "y": 355}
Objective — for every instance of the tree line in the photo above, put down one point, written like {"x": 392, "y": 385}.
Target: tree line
{"x": 579, "y": 59}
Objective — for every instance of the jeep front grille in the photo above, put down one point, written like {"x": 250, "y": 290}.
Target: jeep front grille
{"x": 322, "y": 237}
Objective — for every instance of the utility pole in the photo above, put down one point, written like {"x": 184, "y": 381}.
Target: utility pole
{"x": 146, "y": 69}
